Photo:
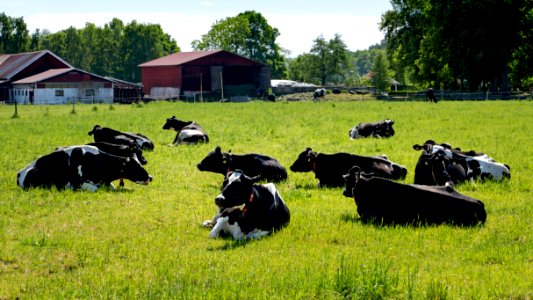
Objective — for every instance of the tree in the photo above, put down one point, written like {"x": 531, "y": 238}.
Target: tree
{"x": 14, "y": 35}
{"x": 471, "y": 41}
{"x": 247, "y": 34}
{"x": 380, "y": 73}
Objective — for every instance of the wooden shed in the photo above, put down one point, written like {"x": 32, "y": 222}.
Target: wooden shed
{"x": 203, "y": 75}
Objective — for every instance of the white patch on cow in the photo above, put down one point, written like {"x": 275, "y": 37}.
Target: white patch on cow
{"x": 79, "y": 171}
{"x": 354, "y": 133}
{"x": 85, "y": 149}
{"x": 21, "y": 175}
{"x": 187, "y": 133}
{"x": 222, "y": 224}
{"x": 437, "y": 148}
{"x": 234, "y": 176}
{"x": 491, "y": 167}
{"x": 257, "y": 234}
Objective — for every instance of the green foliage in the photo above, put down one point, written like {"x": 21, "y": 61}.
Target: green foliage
{"x": 326, "y": 63}
{"x": 475, "y": 42}
{"x": 380, "y": 73}
{"x": 146, "y": 241}
{"x": 247, "y": 34}
{"x": 115, "y": 50}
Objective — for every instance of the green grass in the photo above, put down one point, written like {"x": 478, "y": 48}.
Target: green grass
{"x": 147, "y": 242}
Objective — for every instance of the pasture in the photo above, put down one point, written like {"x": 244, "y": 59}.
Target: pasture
{"x": 146, "y": 241}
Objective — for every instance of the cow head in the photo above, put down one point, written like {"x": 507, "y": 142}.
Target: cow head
{"x": 177, "y": 125}
{"x": 95, "y": 128}
{"x": 216, "y": 161}
{"x": 351, "y": 179}
{"x": 305, "y": 161}
{"x": 134, "y": 171}
{"x": 238, "y": 190}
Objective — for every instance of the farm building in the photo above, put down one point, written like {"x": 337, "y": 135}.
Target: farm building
{"x": 44, "y": 78}
{"x": 203, "y": 75}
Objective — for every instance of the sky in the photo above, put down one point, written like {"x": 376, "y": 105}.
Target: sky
{"x": 299, "y": 22}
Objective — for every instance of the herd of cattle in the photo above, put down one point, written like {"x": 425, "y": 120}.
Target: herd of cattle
{"x": 250, "y": 209}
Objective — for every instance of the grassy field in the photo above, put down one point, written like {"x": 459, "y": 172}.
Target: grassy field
{"x": 146, "y": 241}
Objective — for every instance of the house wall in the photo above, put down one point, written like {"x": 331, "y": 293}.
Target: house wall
{"x": 61, "y": 93}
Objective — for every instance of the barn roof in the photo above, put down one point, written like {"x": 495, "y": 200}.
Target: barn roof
{"x": 12, "y": 64}
{"x": 51, "y": 74}
{"x": 181, "y": 58}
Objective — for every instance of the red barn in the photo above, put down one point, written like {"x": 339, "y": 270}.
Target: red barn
{"x": 17, "y": 66}
{"x": 207, "y": 74}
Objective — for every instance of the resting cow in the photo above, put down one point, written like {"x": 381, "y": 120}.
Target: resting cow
{"x": 383, "y": 201}
{"x": 330, "y": 168}
{"x": 251, "y": 164}
{"x": 477, "y": 165}
{"x": 187, "y": 132}
{"x": 109, "y": 135}
{"x": 81, "y": 167}
{"x": 381, "y": 129}
{"x": 249, "y": 210}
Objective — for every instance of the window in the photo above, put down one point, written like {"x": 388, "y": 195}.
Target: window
{"x": 89, "y": 93}
{"x": 60, "y": 93}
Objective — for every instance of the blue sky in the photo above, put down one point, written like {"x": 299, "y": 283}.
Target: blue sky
{"x": 299, "y": 22}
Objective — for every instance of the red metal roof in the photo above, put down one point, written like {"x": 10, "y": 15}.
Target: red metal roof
{"x": 178, "y": 58}
{"x": 12, "y": 64}
{"x": 43, "y": 76}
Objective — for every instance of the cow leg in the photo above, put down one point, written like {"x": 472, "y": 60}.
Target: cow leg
{"x": 257, "y": 234}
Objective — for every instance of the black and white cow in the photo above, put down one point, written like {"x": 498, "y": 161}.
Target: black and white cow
{"x": 249, "y": 210}
{"x": 109, "y": 135}
{"x": 477, "y": 165}
{"x": 121, "y": 150}
{"x": 187, "y": 132}
{"x": 319, "y": 93}
{"x": 251, "y": 164}
{"x": 382, "y": 201}
{"x": 330, "y": 168}
{"x": 380, "y": 129}
{"x": 81, "y": 167}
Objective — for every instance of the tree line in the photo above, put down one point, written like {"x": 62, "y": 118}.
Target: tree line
{"x": 459, "y": 46}
{"x": 114, "y": 50}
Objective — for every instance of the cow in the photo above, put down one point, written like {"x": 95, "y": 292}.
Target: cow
{"x": 319, "y": 93}
{"x": 384, "y": 202}
{"x": 430, "y": 96}
{"x": 187, "y": 132}
{"x": 109, "y": 135}
{"x": 330, "y": 168}
{"x": 477, "y": 165}
{"x": 251, "y": 164}
{"x": 81, "y": 167}
{"x": 438, "y": 169}
{"x": 380, "y": 129}
{"x": 249, "y": 210}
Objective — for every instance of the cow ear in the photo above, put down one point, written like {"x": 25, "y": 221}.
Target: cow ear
{"x": 218, "y": 150}
{"x": 417, "y": 147}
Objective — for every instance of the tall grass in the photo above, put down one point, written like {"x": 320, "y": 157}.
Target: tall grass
{"x": 147, "y": 242}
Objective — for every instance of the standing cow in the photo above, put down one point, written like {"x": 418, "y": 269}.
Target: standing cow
{"x": 187, "y": 132}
